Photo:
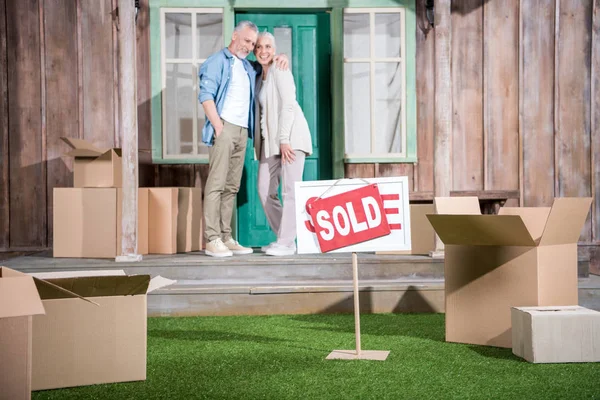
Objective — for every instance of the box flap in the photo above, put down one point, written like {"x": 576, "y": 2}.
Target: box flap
{"x": 566, "y": 220}
{"x": 468, "y": 205}
{"x": 82, "y": 148}
{"x": 481, "y": 230}
{"x": 159, "y": 282}
{"x": 18, "y": 295}
{"x": 94, "y": 286}
{"x": 534, "y": 218}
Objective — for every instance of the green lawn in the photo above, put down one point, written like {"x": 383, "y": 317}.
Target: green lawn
{"x": 283, "y": 357}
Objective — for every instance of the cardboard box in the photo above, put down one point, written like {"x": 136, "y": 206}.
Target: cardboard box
{"x": 87, "y": 222}
{"x": 175, "y": 224}
{"x": 94, "y": 166}
{"x": 79, "y": 343}
{"x": 522, "y": 257}
{"x": 19, "y": 300}
{"x": 422, "y": 235}
{"x": 556, "y": 334}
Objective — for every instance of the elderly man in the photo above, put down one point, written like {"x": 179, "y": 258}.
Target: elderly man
{"x": 227, "y": 83}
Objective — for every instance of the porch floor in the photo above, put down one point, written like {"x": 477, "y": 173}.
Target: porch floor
{"x": 257, "y": 284}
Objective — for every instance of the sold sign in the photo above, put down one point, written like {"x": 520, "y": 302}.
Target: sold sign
{"x": 348, "y": 218}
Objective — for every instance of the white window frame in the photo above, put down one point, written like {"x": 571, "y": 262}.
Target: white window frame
{"x": 195, "y": 62}
{"x": 372, "y": 60}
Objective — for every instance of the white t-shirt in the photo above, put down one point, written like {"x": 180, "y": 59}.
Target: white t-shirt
{"x": 237, "y": 103}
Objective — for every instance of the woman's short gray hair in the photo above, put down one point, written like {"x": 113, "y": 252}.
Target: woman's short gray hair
{"x": 267, "y": 35}
{"x": 243, "y": 24}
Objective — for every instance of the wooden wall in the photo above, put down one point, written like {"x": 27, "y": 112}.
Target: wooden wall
{"x": 525, "y": 104}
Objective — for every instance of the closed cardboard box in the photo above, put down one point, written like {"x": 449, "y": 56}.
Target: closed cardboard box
{"x": 19, "y": 300}
{"x": 175, "y": 222}
{"x": 521, "y": 257}
{"x": 422, "y": 235}
{"x": 87, "y": 222}
{"x": 556, "y": 334}
{"x": 80, "y": 343}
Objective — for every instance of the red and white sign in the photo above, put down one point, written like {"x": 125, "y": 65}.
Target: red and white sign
{"x": 351, "y": 215}
{"x": 348, "y": 218}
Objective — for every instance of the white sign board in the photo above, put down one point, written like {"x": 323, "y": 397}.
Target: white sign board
{"x": 394, "y": 192}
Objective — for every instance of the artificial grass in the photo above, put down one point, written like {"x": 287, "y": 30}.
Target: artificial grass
{"x": 283, "y": 357}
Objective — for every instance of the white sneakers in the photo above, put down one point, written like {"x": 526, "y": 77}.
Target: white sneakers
{"x": 264, "y": 248}
{"x": 237, "y": 248}
{"x": 276, "y": 249}
{"x": 216, "y": 248}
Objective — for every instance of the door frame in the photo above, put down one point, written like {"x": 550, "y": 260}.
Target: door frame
{"x": 330, "y": 114}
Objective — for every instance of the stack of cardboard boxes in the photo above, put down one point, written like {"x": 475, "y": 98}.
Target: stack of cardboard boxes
{"x": 87, "y": 217}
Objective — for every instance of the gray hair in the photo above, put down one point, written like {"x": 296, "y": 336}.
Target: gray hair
{"x": 267, "y": 35}
{"x": 243, "y": 24}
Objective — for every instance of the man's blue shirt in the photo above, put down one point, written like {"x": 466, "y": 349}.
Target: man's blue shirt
{"x": 214, "y": 76}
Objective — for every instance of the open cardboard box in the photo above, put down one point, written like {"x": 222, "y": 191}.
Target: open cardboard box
{"x": 102, "y": 340}
{"x": 87, "y": 222}
{"x": 522, "y": 257}
{"x": 19, "y": 300}
{"x": 98, "y": 167}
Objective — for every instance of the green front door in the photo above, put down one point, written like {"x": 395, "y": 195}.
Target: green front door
{"x": 305, "y": 39}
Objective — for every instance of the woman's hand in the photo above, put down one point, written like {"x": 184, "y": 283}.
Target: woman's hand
{"x": 287, "y": 154}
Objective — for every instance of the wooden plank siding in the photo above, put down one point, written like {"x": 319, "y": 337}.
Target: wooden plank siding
{"x": 425, "y": 86}
{"x": 572, "y": 102}
{"x": 501, "y": 94}
{"x": 62, "y": 104}
{"x": 98, "y": 53}
{"x": 523, "y": 98}
{"x": 595, "y": 126}
{"x": 4, "y": 154}
{"x": 537, "y": 105}
{"x": 27, "y": 198}
{"x": 467, "y": 95}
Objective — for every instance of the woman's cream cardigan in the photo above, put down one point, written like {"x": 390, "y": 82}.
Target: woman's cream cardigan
{"x": 286, "y": 123}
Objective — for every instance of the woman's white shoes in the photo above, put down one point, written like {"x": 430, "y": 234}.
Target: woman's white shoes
{"x": 276, "y": 249}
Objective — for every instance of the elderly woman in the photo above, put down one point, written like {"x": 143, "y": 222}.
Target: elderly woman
{"x": 282, "y": 145}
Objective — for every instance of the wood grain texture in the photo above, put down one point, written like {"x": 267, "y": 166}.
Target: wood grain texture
{"x": 467, "y": 94}
{"x": 176, "y": 175}
{"x": 595, "y": 105}
{"x": 391, "y": 170}
{"x": 62, "y": 108}
{"x": 501, "y": 94}
{"x": 572, "y": 102}
{"x": 537, "y": 102}
{"x": 4, "y": 154}
{"x": 27, "y": 180}
{"x": 443, "y": 100}
{"x": 98, "y": 72}
{"x": 359, "y": 170}
{"x": 144, "y": 91}
{"x": 425, "y": 86}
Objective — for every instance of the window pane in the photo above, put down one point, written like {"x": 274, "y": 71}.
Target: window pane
{"x": 209, "y": 34}
{"x": 283, "y": 38}
{"x": 357, "y": 109}
{"x": 178, "y": 35}
{"x": 388, "y": 108}
{"x": 387, "y": 35}
{"x": 179, "y": 114}
{"x": 356, "y": 36}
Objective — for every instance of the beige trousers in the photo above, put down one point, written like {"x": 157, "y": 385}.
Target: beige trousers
{"x": 226, "y": 162}
{"x": 281, "y": 218}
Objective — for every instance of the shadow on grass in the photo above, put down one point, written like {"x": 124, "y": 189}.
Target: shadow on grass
{"x": 499, "y": 353}
{"x": 209, "y": 336}
{"x": 420, "y": 326}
